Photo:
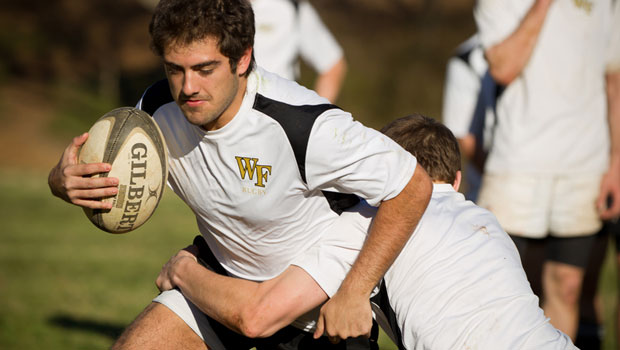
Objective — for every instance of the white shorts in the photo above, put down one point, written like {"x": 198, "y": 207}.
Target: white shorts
{"x": 535, "y": 206}
{"x": 185, "y": 309}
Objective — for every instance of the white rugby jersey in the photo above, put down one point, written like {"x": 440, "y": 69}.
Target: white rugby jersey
{"x": 457, "y": 284}
{"x": 256, "y": 185}
{"x": 287, "y": 30}
{"x": 552, "y": 119}
{"x": 613, "y": 55}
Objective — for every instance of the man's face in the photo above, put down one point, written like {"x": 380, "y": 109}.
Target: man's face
{"x": 202, "y": 83}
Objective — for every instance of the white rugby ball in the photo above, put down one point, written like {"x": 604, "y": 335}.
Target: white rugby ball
{"x": 130, "y": 140}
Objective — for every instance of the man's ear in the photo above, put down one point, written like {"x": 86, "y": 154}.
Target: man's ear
{"x": 457, "y": 180}
{"x": 244, "y": 62}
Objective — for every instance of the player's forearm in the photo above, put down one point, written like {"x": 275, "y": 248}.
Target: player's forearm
{"x": 508, "y": 58}
{"x": 608, "y": 201}
{"x": 329, "y": 83}
{"x": 468, "y": 146}
{"x": 394, "y": 223}
{"x": 249, "y": 308}
{"x": 613, "y": 108}
{"x": 222, "y": 298}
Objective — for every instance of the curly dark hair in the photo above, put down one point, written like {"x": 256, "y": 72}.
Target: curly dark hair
{"x": 431, "y": 142}
{"x": 182, "y": 22}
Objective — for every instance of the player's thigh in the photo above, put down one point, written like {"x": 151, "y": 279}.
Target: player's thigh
{"x": 214, "y": 334}
{"x": 564, "y": 269}
{"x": 573, "y": 207}
{"x": 562, "y": 282}
{"x": 520, "y": 203}
{"x": 157, "y": 327}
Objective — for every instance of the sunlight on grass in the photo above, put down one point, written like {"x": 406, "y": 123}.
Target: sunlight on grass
{"x": 67, "y": 285}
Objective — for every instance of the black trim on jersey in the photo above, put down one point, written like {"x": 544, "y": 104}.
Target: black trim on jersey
{"x": 488, "y": 95}
{"x": 464, "y": 55}
{"x": 297, "y": 122}
{"x": 206, "y": 258}
{"x": 156, "y": 96}
{"x": 339, "y": 202}
{"x": 383, "y": 301}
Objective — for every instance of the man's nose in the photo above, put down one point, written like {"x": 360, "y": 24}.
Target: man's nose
{"x": 190, "y": 86}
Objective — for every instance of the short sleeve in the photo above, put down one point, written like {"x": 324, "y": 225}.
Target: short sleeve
{"x": 496, "y": 20}
{"x": 345, "y": 156}
{"x": 613, "y": 51}
{"x": 460, "y": 96}
{"x": 318, "y": 47}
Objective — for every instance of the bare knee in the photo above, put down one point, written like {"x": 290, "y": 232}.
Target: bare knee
{"x": 564, "y": 282}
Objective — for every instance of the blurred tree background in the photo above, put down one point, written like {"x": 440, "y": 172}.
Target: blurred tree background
{"x": 64, "y": 63}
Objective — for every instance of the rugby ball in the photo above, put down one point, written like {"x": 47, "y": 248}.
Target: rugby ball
{"x": 130, "y": 140}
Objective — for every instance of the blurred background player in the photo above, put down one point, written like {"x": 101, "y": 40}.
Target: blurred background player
{"x": 469, "y": 109}
{"x": 613, "y": 106}
{"x": 287, "y": 30}
{"x": 556, "y": 152}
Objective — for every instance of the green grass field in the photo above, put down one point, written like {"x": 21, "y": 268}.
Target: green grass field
{"x": 66, "y": 285}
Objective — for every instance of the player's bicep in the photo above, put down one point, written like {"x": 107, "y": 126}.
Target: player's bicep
{"x": 347, "y": 157}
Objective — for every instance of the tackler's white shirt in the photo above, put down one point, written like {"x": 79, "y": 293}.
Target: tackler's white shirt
{"x": 458, "y": 282}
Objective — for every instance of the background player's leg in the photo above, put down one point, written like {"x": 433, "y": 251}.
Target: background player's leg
{"x": 563, "y": 274}
{"x": 562, "y": 288}
{"x": 589, "y": 335}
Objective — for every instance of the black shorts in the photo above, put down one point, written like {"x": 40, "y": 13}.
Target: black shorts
{"x": 219, "y": 337}
{"x": 568, "y": 250}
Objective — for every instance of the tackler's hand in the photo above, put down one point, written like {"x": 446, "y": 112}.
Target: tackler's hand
{"x": 345, "y": 316}
{"x": 608, "y": 202}
{"x": 166, "y": 279}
